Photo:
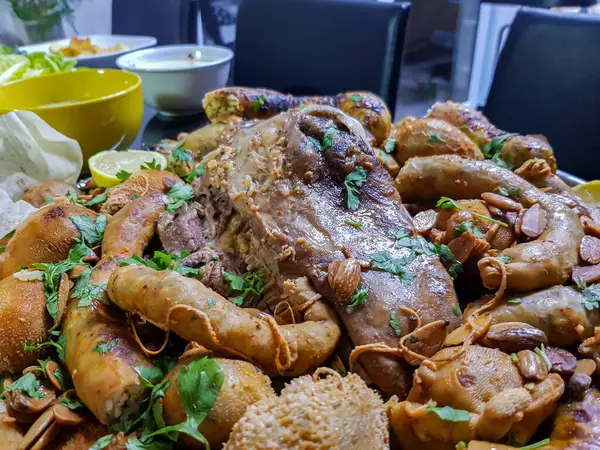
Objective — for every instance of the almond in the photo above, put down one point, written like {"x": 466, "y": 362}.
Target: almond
{"x": 590, "y": 227}
{"x": 343, "y": 276}
{"x": 511, "y": 337}
{"x": 425, "y": 220}
{"x": 589, "y": 250}
{"x": 531, "y": 366}
{"x": 501, "y": 202}
{"x": 534, "y": 221}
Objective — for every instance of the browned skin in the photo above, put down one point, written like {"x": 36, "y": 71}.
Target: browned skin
{"x": 43, "y": 193}
{"x": 478, "y": 128}
{"x": 145, "y": 182}
{"x": 557, "y": 311}
{"x": 204, "y": 140}
{"x": 23, "y": 318}
{"x": 365, "y": 107}
{"x": 44, "y": 237}
{"x": 577, "y": 424}
{"x": 547, "y": 261}
{"x": 297, "y": 210}
{"x": 244, "y": 385}
{"x": 99, "y": 378}
{"x": 427, "y": 137}
{"x": 237, "y": 331}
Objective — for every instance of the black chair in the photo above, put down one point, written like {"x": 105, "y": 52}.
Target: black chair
{"x": 322, "y": 47}
{"x": 548, "y": 81}
{"x": 169, "y": 21}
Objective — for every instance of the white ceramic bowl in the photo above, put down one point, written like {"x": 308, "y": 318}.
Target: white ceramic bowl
{"x": 102, "y": 60}
{"x": 171, "y": 81}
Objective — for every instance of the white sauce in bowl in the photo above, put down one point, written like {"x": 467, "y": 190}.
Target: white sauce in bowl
{"x": 177, "y": 62}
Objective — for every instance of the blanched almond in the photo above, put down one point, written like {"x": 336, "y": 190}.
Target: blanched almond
{"x": 425, "y": 220}
{"x": 589, "y": 250}
{"x": 534, "y": 221}
{"x": 344, "y": 277}
{"x": 589, "y": 226}
{"x": 590, "y": 274}
{"x": 587, "y": 366}
{"x": 462, "y": 246}
{"x": 501, "y": 202}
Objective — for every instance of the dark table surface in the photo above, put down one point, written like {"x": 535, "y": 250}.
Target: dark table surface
{"x": 156, "y": 127}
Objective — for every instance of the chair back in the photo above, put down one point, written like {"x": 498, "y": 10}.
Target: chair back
{"x": 547, "y": 81}
{"x": 321, "y": 47}
{"x": 169, "y": 21}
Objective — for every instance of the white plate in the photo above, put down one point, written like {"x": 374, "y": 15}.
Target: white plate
{"x": 102, "y": 60}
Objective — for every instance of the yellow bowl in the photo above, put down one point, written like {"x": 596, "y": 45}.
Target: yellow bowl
{"x": 100, "y": 109}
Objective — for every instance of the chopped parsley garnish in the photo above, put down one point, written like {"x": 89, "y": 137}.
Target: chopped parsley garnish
{"x": 104, "y": 347}
{"x": 70, "y": 403}
{"x": 468, "y": 227}
{"x": 2, "y": 250}
{"x": 353, "y": 181}
{"x": 493, "y": 150}
{"x": 328, "y": 138}
{"x": 250, "y": 285}
{"x": 258, "y": 103}
{"x": 152, "y": 165}
{"x": 73, "y": 197}
{"x": 514, "y": 358}
{"x": 315, "y": 142}
{"x": 355, "y": 98}
{"x": 354, "y": 224}
{"x": 198, "y": 170}
{"x": 514, "y": 301}
{"x": 434, "y": 139}
{"x": 28, "y": 384}
{"x": 164, "y": 261}
{"x": 98, "y": 199}
{"x": 590, "y": 294}
{"x": 59, "y": 345}
{"x": 449, "y": 414}
{"x": 460, "y": 445}
{"x": 123, "y": 175}
{"x": 390, "y": 145}
{"x": 359, "y": 297}
{"x": 180, "y": 153}
{"x": 92, "y": 231}
{"x": 448, "y": 203}
{"x": 541, "y": 352}
{"x": 385, "y": 261}
{"x": 102, "y": 443}
{"x": 510, "y": 192}
{"x": 456, "y": 311}
{"x": 503, "y": 259}
{"x": 413, "y": 339}
{"x": 199, "y": 385}
{"x": 211, "y": 302}
{"x": 86, "y": 292}
{"x": 149, "y": 375}
{"x": 178, "y": 195}
{"x": 394, "y": 324}
{"x": 134, "y": 196}
{"x": 53, "y": 272}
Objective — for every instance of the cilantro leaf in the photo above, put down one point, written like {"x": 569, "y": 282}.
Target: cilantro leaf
{"x": 70, "y": 403}
{"x": 251, "y": 285}
{"x": 355, "y": 98}
{"x": 493, "y": 150}
{"x": 390, "y": 145}
{"x": 384, "y": 260}
{"x": 86, "y": 292}
{"x": 152, "y": 165}
{"x": 149, "y": 374}
{"x": 448, "y": 203}
{"x": 102, "y": 443}
{"x": 514, "y": 301}
{"x": 359, "y": 297}
{"x": 434, "y": 139}
{"x": 180, "y": 153}
{"x": 123, "y": 175}
{"x": 354, "y": 224}
{"x": 536, "y": 445}
{"x": 73, "y": 197}
{"x": 541, "y": 352}
{"x": 92, "y": 231}
{"x": 98, "y": 199}
{"x": 449, "y": 414}
{"x": 456, "y": 310}
{"x": 590, "y": 294}
{"x": 394, "y": 324}
{"x": 468, "y": 227}
{"x": 503, "y": 259}
{"x": 328, "y": 138}
{"x": 352, "y": 182}
{"x": 258, "y": 103}
{"x": 178, "y": 195}
{"x": 103, "y": 347}
{"x": 198, "y": 170}
{"x": 29, "y": 384}
{"x": 315, "y": 142}
{"x": 136, "y": 444}
{"x": 199, "y": 385}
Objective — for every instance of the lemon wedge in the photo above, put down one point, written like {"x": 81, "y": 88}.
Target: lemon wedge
{"x": 589, "y": 192}
{"x": 104, "y": 166}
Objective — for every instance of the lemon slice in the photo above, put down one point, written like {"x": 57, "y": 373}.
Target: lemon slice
{"x": 589, "y": 192}
{"x": 104, "y": 166}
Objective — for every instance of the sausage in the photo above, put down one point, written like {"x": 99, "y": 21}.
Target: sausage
{"x": 547, "y": 261}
